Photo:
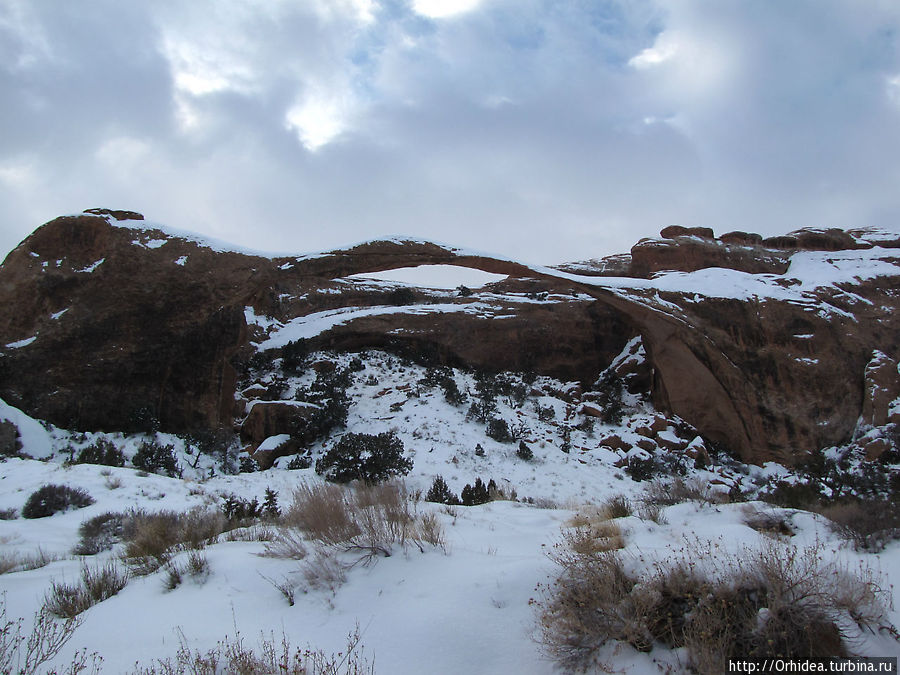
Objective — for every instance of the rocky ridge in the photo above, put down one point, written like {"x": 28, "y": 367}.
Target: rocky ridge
{"x": 770, "y": 347}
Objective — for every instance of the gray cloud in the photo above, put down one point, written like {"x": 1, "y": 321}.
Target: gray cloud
{"x": 542, "y": 130}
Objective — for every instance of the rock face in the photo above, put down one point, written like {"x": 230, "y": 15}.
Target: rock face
{"x": 110, "y": 323}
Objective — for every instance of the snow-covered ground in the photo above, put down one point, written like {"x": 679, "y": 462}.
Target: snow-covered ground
{"x": 467, "y": 609}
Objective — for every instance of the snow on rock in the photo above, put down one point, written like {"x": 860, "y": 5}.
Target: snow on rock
{"x": 18, "y": 344}
{"x": 93, "y": 266}
{"x": 34, "y": 437}
{"x": 274, "y": 442}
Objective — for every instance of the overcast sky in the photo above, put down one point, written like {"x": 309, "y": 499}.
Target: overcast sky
{"x": 546, "y": 130}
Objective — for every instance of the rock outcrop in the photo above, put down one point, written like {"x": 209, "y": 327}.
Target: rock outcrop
{"x": 110, "y": 323}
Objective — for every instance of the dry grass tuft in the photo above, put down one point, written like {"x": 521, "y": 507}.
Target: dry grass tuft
{"x": 25, "y": 654}
{"x": 232, "y": 655}
{"x": 679, "y": 490}
{"x": 365, "y": 521}
{"x": 778, "y": 601}
{"x": 768, "y": 521}
{"x": 22, "y": 562}
{"x": 97, "y": 584}
{"x": 868, "y": 524}
{"x": 151, "y": 539}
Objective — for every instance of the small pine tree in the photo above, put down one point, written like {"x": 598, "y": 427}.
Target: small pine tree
{"x": 270, "y": 509}
{"x": 524, "y": 452}
{"x": 440, "y": 493}
{"x": 612, "y": 389}
{"x": 498, "y": 429}
{"x": 472, "y": 495}
{"x": 248, "y": 465}
{"x": 155, "y": 458}
{"x": 101, "y": 452}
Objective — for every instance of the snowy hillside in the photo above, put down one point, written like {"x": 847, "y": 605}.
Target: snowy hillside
{"x": 465, "y": 596}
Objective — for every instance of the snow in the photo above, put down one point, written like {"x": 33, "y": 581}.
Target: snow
{"x": 21, "y": 343}
{"x": 182, "y": 260}
{"x": 90, "y": 268}
{"x": 311, "y": 325}
{"x": 808, "y": 270}
{"x": 468, "y": 608}
{"x": 34, "y": 437}
{"x": 274, "y": 442}
{"x": 56, "y": 315}
{"x": 435, "y": 276}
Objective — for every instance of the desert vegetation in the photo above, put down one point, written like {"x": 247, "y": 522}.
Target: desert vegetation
{"x": 775, "y": 600}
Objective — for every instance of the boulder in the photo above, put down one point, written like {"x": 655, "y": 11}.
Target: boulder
{"x": 266, "y": 419}
{"x": 881, "y": 388}
{"x": 673, "y": 231}
{"x": 10, "y": 445}
{"x": 741, "y": 238}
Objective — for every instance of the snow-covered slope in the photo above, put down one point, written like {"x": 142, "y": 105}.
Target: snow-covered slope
{"x": 472, "y": 607}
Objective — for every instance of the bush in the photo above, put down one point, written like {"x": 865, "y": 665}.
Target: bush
{"x": 868, "y": 524}
{"x": 231, "y": 655}
{"x": 473, "y": 495}
{"x": 776, "y": 602}
{"x": 293, "y": 356}
{"x": 102, "y": 452}
{"x": 641, "y": 468}
{"x": 151, "y": 539}
{"x": 26, "y": 654}
{"x": 440, "y": 493}
{"x": 366, "y": 457}
{"x": 96, "y": 585}
{"x": 303, "y": 461}
{"x": 498, "y": 429}
{"x": 452, "y": 394}
{"x": 329, "y": 393}
{"x": 368, "y": 520}
{"x": 402, "y": 295}
{"x": 679, "y": 491}
{"x": 100, "y": 533}
{"x": 235, "y": 508}
{"x": 524, "y": 452}
{"x": 270, "y": 508}
{"x": 618, "y": 506}
{"x": 50, "y": 499}
{"x": 612, "y": 389}
{"x": 156, "y": 458}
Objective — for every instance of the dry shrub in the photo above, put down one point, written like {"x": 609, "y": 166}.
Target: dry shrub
{"x": 586, "y": 607}
{"x": 231, "y": 655}
{"x": 767, "y": 521}
{"x": 431, "y": 531}
{"x": 651, "y": 511}
{"x": 25, "y": 654}
{"x": 152, "y": 538}
{"x": 322, "y": 512}
{"x": 618, "y": 506}
{"x": 323, "y": 571}
{"x": 254, "y": 532}
{"x": 22, "y": 562}
{"x": 779, "y": 601}
{"x": 97, "y": 584}
{"x": 100, "y": 533}
{"x": 679, "y": 490}
{"x": 591, "y": 529}
{"x": 869, "y": 525}
{"x": 366, "y": 520}
{"x": 289, "y": 543}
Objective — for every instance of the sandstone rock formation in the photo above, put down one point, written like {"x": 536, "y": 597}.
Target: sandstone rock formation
{"x": 110, "y": 323}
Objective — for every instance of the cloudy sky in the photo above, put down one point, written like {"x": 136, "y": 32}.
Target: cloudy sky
{"x": 547, "y": 130}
